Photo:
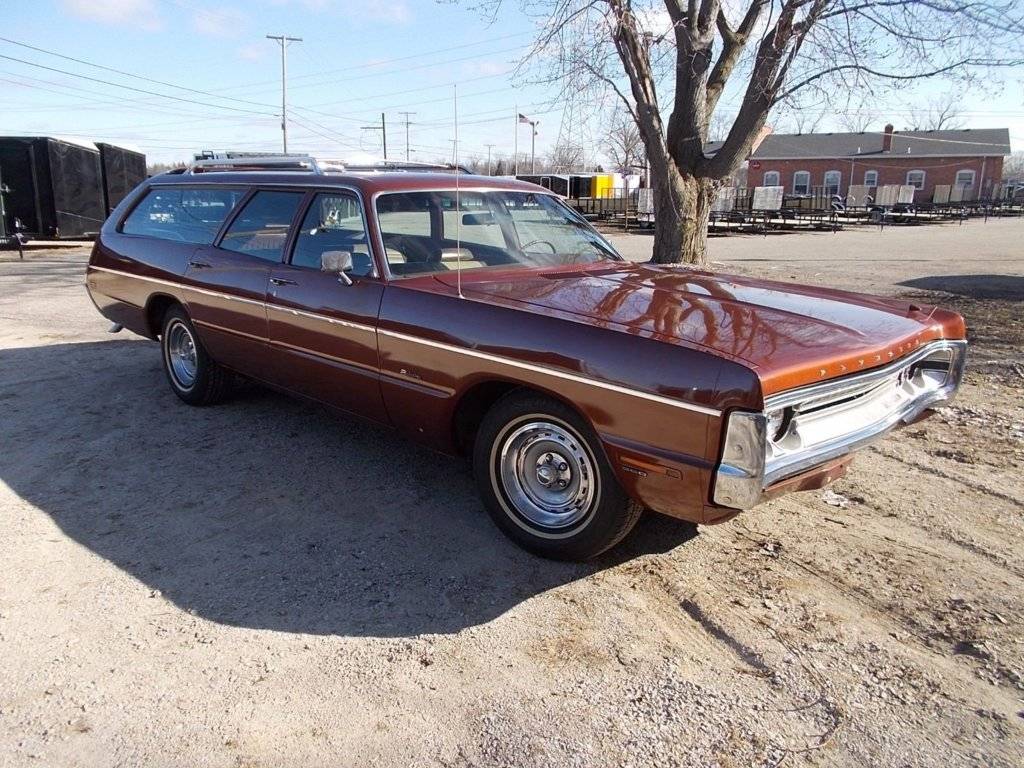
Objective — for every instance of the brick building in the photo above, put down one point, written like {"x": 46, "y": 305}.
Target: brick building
{"x": 802, "y": 163}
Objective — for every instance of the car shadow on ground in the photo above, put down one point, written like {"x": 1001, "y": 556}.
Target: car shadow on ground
{"x": 1004, "y": 287}
{"x": 265, "y": 512}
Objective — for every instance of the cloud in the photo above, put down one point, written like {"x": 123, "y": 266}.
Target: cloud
{"x": 142, "y": 14}
{"x": 219, "y": 22}
{"x": 486, "y": 67}
{"x": 385, "y": 10}
{"x": 358, "y": 11}
{"x": 253, "y": 52}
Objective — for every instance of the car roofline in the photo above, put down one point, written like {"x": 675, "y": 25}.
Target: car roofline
{"x": 368, "y": 183}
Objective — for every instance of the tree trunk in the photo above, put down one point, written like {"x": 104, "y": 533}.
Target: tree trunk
{"x": 682, "y": 207}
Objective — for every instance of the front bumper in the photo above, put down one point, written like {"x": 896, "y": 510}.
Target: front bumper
{"x": 805, "y": 428}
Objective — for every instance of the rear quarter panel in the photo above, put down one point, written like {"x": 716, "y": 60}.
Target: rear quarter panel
{"x": 123, "y": 299}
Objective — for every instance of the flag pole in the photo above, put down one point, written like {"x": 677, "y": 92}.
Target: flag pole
{"x": 458, "y": 211}
{"x": 515, "y": 152}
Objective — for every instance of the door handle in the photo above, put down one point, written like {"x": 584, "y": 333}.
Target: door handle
{"x": 282, "y": 281}
{"x": 199, "y": 264}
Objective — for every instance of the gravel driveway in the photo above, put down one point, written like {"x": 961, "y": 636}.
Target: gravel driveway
{"x": 267, "y": 584}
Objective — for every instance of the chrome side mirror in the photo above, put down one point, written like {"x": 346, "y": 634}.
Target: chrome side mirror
{"x": 338, "y": 262}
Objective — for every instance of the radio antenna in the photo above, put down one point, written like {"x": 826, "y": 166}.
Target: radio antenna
{"x": 458, "y": 209}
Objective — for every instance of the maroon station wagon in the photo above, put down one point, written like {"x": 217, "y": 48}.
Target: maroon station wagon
{"x": 483, "y": 316}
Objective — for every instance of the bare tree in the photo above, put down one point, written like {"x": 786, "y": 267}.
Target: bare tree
{"x": 941, "y": 113}
{"x": 563, "y": 158}
{"x": 153, "y": 169}
{"x": 719, "y": 125}
{"x": 857, "y": 116}
{"x": 1013, "y": 167}
{"x": 799, "y": 116}
{"x": 623, "y": 145}
{"x": 653, "y": 53}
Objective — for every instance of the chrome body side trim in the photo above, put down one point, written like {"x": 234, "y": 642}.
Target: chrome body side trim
{"x": 322, "y": 318}
{"x": 553, "y": 372}
{"x": 507, "y": 361}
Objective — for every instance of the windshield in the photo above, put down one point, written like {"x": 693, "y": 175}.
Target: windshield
{"x": 426, "y": 232}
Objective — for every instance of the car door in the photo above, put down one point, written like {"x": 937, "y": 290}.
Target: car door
{"x": 229, "y": 280}
{"x": 322, "y": 325}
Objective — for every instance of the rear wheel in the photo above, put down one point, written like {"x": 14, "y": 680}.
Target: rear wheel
{"x": 191, "y": 372}
{"x": 546, "y": 482}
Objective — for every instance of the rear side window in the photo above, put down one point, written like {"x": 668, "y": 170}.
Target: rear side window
{"x": 261, "y": 228}
{"x": 182, "y": 214}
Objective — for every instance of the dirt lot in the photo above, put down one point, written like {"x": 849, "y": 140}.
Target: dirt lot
{"x": 265, "y": 584}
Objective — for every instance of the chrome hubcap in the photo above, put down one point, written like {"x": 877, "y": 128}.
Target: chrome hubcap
{"x": 547, "y": 474}
{"x": 181, "y": 354}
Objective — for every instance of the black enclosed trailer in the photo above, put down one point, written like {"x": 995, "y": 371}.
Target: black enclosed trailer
{"x": 56, "y": 186}
{"x": 556, "y": 182}
{"x": 123, "y": 170}
{"x": 575, "y": 186}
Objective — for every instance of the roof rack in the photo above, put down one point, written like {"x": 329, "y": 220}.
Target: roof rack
{"x": 403, "y": 165}
{"x": 255, "y": 162}
{"x": 240, "y": 161}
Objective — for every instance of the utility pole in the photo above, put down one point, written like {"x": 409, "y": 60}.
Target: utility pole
{"x": 407, "y": 116}
{"x": 283, "y": 41}
{"x": 489, "y": 147}
{"x": 383, "y": 128}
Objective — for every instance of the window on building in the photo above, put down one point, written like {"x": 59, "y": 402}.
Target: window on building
{"x": 802, "y": 183}
{"x": 965, "y": 178}
{"x": 870, "y": 178}
{"x": 915, "y": 179}
{"x": 771, "y": 178}
{"x": 181, "y": 214}
{"x": 261, "y": 228}
{"x": 833, "y": 179}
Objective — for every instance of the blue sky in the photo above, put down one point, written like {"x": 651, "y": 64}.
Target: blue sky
{"x": 358, "y": 58}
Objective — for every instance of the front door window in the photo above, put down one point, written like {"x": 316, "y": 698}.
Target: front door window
{"x": 334, "y": 222}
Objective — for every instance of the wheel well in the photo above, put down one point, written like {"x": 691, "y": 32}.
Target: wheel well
{"x": 472, "y": 406}
{"x": 477, "y": 401}
{"x": 156, "y": 308}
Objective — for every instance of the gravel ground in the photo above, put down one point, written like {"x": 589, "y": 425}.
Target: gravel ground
{"x": 267, "y": 584}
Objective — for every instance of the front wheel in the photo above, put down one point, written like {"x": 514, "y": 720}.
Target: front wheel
{"x": 546, "y": 482}
{"x": 191, "y": 372}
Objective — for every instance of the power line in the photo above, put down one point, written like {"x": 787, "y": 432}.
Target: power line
{"x": 90, "y": 99}
{"x": 129, "y": 74}
{"x": 418, "y": 89}
{"x": 425, "y": 65}
{"x": 371, "y": 65}
{"x": 130, "y": 88}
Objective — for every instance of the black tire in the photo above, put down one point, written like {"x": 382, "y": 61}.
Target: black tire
{"x": 209, "y": 383}
{"x": 525, "y": 429}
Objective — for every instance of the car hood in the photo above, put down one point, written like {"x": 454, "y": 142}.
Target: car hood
{"x": 789, "y": 334}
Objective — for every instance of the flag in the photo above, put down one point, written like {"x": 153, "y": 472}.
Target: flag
{"x": 523, "y": 118}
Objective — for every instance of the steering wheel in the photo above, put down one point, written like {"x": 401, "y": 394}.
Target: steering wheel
{"x": 554, "y": 250}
